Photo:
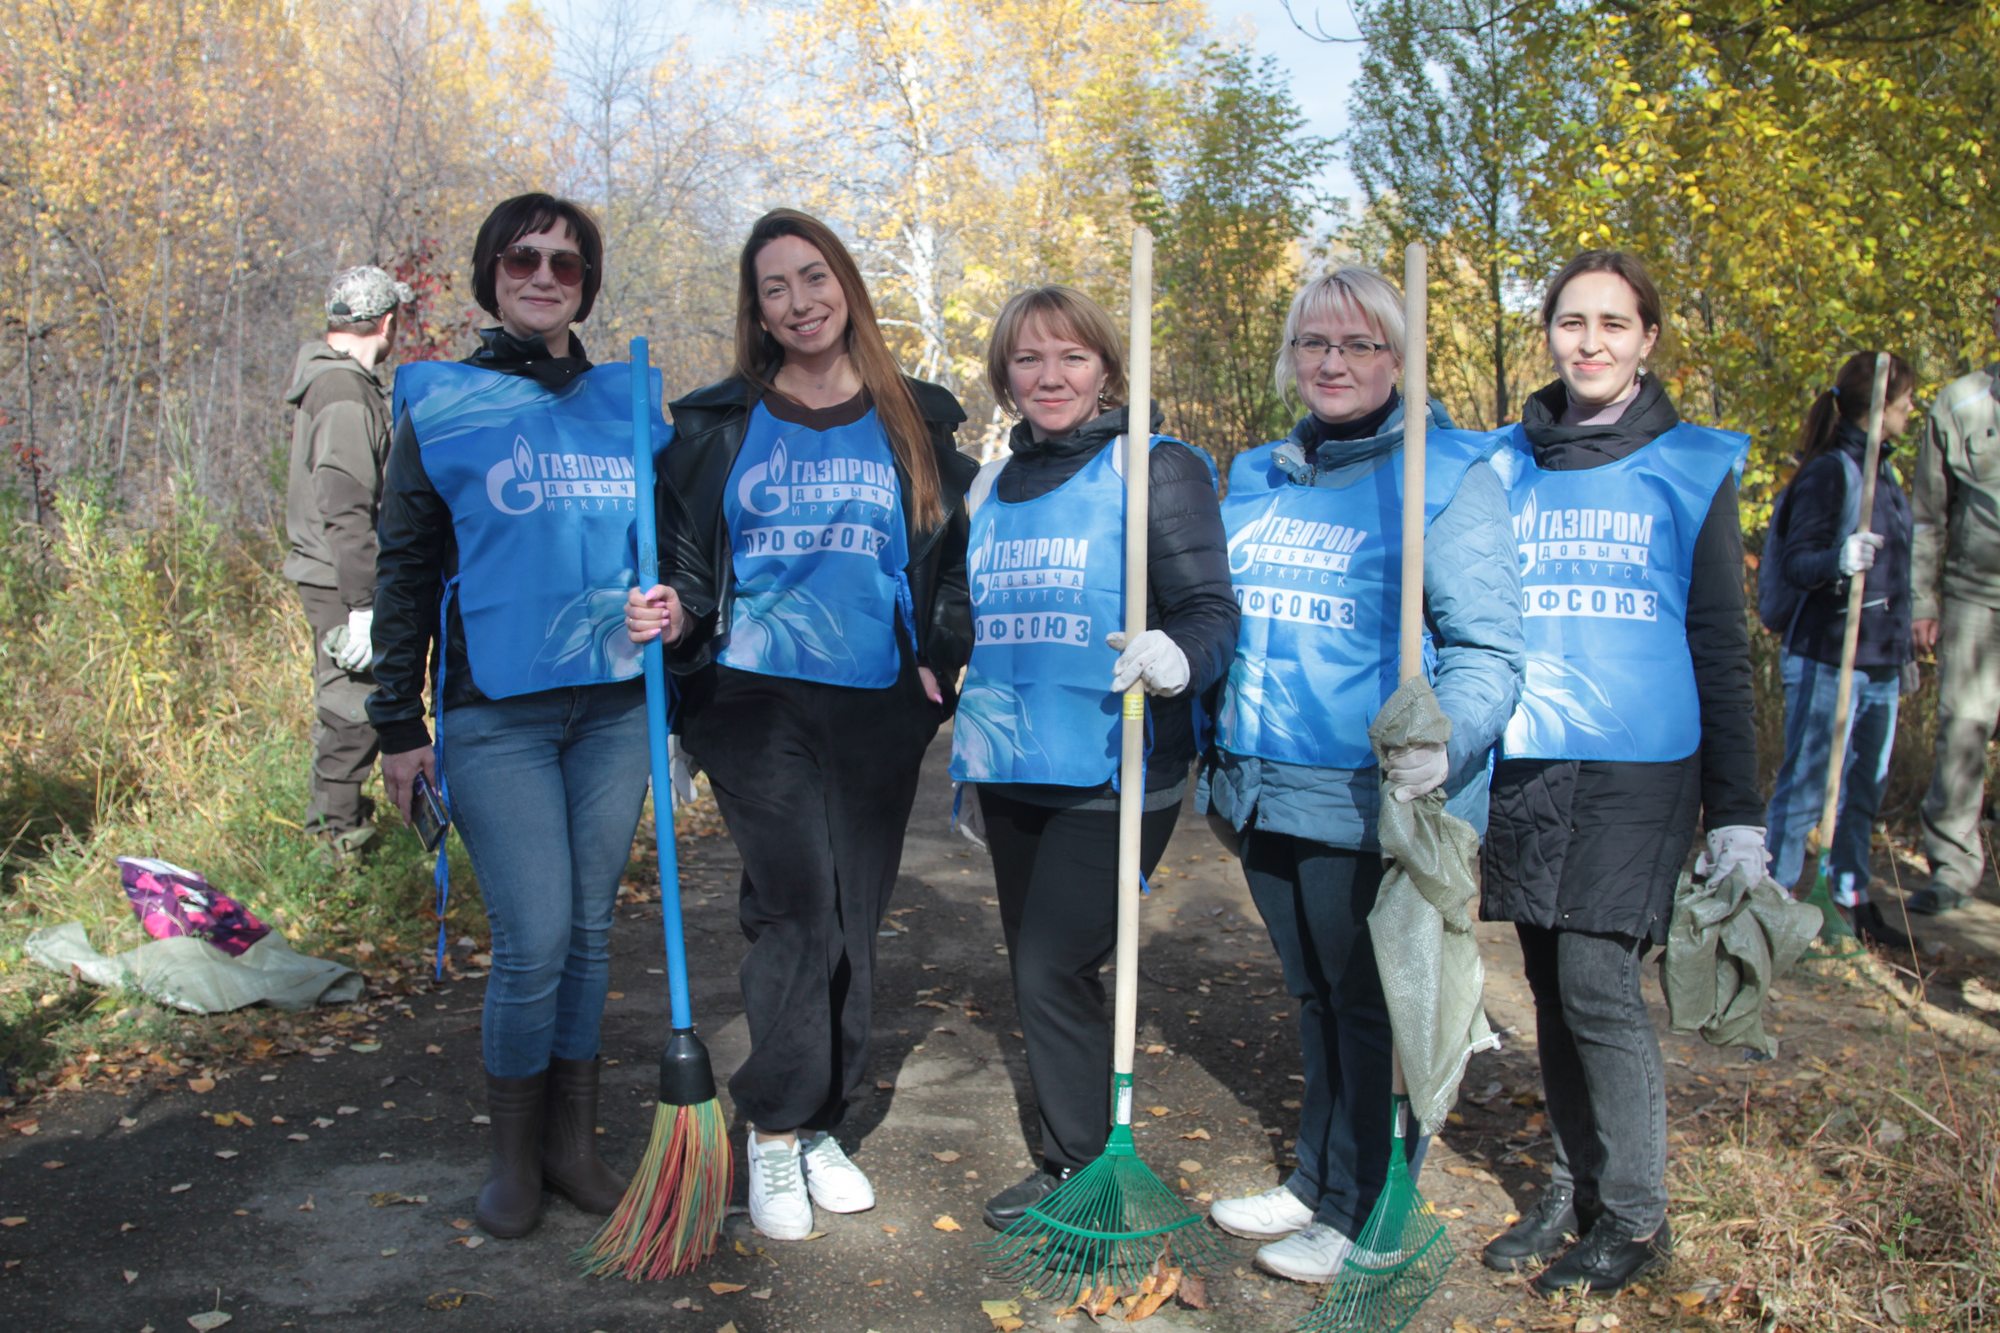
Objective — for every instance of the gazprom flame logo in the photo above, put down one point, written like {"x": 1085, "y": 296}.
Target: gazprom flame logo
{"x": 525, "y": 481}
{"x": 510, "y": 484}
{"x": 762, "y": 490}
{"x": 1524, "y": 531}
{"x": 1243, "y": 545}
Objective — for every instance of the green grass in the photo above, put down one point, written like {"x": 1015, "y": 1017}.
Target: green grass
{"x": 155, "y": 700}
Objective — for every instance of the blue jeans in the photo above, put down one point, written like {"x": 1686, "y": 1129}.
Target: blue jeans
{"x": 1800, "y": 790}
{"x": 546, "y": 790}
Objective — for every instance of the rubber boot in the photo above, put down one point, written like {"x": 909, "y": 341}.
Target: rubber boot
{"x": 570, "y": 1163}
{"x": 510, "y": 1202}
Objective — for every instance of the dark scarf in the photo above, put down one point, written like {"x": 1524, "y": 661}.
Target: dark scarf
{"x": 1312, "y": 432}
{"x": 1559, "y": 448}
{"x": 502, "y": 351}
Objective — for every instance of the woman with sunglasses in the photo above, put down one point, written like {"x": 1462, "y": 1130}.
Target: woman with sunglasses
{"x": 1635, "y": 721}
{"x": 1315, "y": 535}
{"x": 1038, "y": 726}
{"x": 814, "y": 607}
{"x": 508, "y": 507}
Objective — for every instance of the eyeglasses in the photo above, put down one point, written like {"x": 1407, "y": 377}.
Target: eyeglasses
{"x": 521, "y": 262}
{"x": 1355, "y": 351}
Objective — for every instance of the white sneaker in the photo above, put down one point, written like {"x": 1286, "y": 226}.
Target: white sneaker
{"x": 1314, "y": 1254}
{"x": 1271, "y": 1215}
{"x": 835, "y": 1183}
{"x": 779, "y": 1205}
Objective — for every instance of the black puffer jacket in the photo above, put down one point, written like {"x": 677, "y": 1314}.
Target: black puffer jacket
{"x": 1813, "y": 540}
{"x": 1187, "y": 575}
{"x": 709, "y": 425}
{"x": 1598, "y": 846}
{"x": 418, "y": 553}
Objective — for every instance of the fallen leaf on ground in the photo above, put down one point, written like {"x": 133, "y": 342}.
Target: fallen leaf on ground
{"x": 198, "y": 1085}
{"x": 1195, "y": 1134}
{"x": 365, "y": 1047}
{"x": 13, "y": 1221}
{"x": 228, "y": 1153}
{"x": 386, "y": 1198}
{"x": 1190, "y": 1166}
{"x": 131, "y": 1276}
{"x": 182, "y": 1188}
{"x": 947, "y": 1156}
{"x": 30, "y": 1128}
{"x": 1193, "y": 1291}
{"x": 946, "y": 1222}
{"x": 726, "y": 1288}
{"x": 1159, "y": 1110}
{"x": 208, "y": 1319}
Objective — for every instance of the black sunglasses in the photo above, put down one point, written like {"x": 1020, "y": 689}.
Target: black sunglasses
{"x": 521, "y": 262}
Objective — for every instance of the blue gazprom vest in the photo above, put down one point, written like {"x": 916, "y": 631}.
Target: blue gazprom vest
{"x": 1048, "y": 584}
{"x": 1606, "y": 556}
{"x": 819, "y": 547}
{"x": 1317, "y": 572}
{"x": 540, "y": 489}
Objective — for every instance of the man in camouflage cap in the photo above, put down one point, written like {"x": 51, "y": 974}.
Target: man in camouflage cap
{"x": 340, "y": 437}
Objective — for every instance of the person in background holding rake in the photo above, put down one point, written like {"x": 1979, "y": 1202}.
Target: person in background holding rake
{"x": 1037, "y": 725}
{"x": 1822, "y": 549}
{"x": 814, "y": 608}
{"x": 1635, "y": 719}
{"x": 1315, "y": 525}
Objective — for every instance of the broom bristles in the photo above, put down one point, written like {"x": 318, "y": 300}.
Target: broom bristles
{"x": 1113, "y": 1221}
{"x": 670, "y": 1219}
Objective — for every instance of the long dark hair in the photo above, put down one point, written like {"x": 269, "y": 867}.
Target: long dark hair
{"x": 758, "y": 354}
{"x": 1847, "y": 401}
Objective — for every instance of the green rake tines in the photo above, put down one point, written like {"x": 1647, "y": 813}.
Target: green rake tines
{"x": 1112, "y": 1222}
{"x": 1399, "y": 1259}
{"x": 1837, "y": 941}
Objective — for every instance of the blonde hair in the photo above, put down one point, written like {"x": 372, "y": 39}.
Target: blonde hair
{"x": 1067, "y": 313}
{"x": 1352, "y": 287}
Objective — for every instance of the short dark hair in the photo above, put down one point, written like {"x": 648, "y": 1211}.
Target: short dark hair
{"x": 1621, "y": 262}
{"x": 524, "y": 215}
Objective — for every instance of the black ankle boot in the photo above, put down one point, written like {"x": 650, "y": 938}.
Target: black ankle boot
{"x": 570, "y": 1164}
{"x": 510, "y": 1202}
{"x": 1557, "y": 1217}
{"x": 1606, "y": 1259}
{"x": 1010, "y": 1205}
{"x": 1871, "y": 926}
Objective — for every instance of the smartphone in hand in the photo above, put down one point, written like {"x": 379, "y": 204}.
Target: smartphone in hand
{"x": 427, "y": 813}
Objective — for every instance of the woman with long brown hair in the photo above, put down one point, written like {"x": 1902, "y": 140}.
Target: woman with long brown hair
{"x": 815, "y": 611}
{"x": 1816, "y": 523}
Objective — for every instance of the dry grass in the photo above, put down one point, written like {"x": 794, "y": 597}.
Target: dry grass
{"x": 1865, "y": 1195}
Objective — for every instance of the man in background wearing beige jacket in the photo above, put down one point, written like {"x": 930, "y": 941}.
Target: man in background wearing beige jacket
{"x": 1956, "y": 609}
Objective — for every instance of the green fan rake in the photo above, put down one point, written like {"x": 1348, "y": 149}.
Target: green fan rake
{"x": 1402, "y": 1253}
{"x": 1114, "y": 1221}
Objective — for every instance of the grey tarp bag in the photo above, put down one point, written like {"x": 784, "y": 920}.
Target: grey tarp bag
{"x": 1421, "y": 924}
{"x": 1730, "y": 939}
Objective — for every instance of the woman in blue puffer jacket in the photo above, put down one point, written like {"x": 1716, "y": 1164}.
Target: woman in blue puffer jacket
{"x": 1314, "y": 527}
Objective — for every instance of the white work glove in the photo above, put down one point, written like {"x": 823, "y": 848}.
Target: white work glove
{"x": 1857, "y": 553}
{"x": 1416, "y": 770}
{"x": 1154, "y": 659}
{"x": 1730, "y": 847}
{"x": 357, "y": 652}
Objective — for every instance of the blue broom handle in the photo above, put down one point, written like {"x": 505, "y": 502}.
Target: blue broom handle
{"x": 654, "y": 657}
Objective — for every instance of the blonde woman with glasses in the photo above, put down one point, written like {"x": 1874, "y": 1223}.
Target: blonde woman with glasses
{"x": 1315, "y": 534}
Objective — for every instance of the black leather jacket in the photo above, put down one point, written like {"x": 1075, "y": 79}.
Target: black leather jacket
{"x": 709, "y": 425}
{"x": 418, "y": 552}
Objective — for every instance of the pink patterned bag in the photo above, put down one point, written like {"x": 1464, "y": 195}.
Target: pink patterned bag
{"x": 170, "y": 901}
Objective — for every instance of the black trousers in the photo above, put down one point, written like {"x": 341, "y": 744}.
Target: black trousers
{"x": 1315, "y": 901}
{"x": 815, "y": 782}
{"x": 1057, "y": 874}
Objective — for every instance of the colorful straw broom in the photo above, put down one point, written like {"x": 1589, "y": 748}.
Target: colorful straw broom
{"x": 671, "y": 1216}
